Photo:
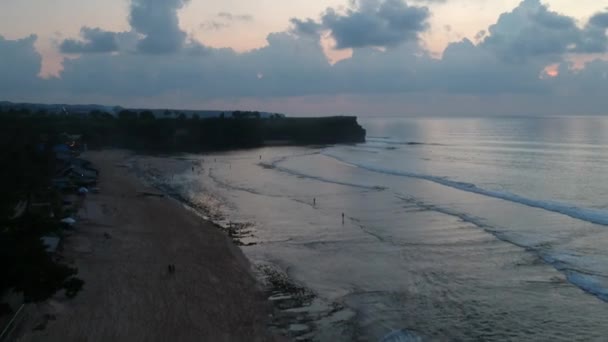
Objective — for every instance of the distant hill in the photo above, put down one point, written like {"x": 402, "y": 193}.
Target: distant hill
{"x": 114, "y": 110}
{"x": 58, "y": 108}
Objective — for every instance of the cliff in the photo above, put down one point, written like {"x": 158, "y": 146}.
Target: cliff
{"x": 143, "y": 131}
{"x": 320, "y": 130}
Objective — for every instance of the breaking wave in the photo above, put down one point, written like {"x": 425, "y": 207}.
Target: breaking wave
{"x": 585, "y": 214}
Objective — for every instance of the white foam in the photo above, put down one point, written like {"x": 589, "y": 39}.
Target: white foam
{"x": 575, "y": 270}
{"x": 366, "y": 149}
{"x": 388, "y": 141}
{"x": 579, "y": 272}
{"x": 275, "y": 165}
{"x": 585, "y": 214}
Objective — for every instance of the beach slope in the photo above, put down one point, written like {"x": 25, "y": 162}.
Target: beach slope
{"x": 123, "y": 245}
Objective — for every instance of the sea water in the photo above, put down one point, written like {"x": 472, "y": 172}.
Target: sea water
{"x": 453, "y": 229}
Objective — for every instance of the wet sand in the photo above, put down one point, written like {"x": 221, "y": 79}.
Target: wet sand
{"x": 122, "y": 245}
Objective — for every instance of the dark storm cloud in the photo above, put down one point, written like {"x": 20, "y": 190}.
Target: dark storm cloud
{"x": 94, "y": 40}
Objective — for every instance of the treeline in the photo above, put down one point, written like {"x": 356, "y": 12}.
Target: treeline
{"x": 27, "y": 166}
{"x": 143, "y": 131}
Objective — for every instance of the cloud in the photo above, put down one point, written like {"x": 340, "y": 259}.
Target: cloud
{"x": 289, "y": 65}
{"x": 594, "y": 38}
{"x": 307, "y": 27}
{"x": 95, "y": 40}
{"x": 225, "y": 20}
{"x": 154, "y": 30}
{"x": 380, "y": 23}
{"x": 504, "y": 61}
{"x": 467, "y": 68}
{"x": 213, "y": 25}
{"x": 19, "y": 66}
{"x": 531, "y": 30}
{"x": 599, "y": 20}
{"x": 158, "y": 22}
{"x": 235, "y": 17}
{"x": 479, "y": 35}
{"x": 431, "y": 1}
{"x": 368, "y": 23}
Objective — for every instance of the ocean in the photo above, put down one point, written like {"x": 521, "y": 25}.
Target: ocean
{"x": 434, "y": 229}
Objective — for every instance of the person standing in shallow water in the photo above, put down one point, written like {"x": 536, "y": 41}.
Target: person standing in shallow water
{"x": 342, "y": 218}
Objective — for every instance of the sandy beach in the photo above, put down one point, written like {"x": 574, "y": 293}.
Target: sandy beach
{"x": 122, "y": 246}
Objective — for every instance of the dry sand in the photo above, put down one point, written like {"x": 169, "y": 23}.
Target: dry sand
{"x": 122, "y": 247}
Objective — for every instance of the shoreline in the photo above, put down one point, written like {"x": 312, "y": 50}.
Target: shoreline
{"x": 367, "y": 254}
{"x": 122, "y": 245}
{"x": 298, "y": 312}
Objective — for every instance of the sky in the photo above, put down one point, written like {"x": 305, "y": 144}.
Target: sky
{"x": 311, "y": 57}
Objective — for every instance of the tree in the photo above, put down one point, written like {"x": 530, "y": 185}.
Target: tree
{"x": 127, "y": 115}
{"x": 146, "y": 115}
